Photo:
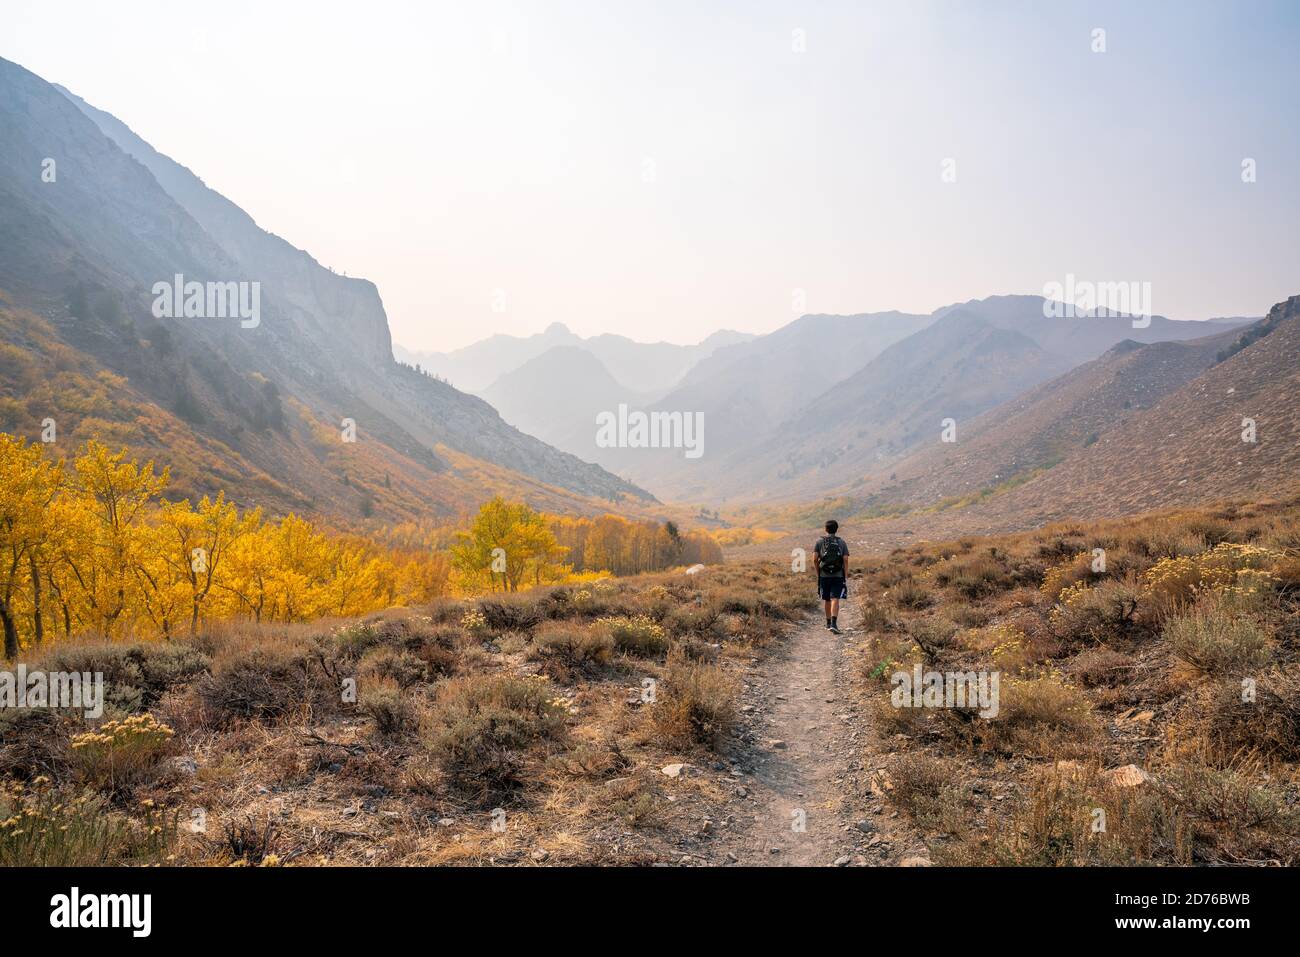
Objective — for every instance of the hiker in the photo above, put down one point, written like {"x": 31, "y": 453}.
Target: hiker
{"x": 831, "y": 560}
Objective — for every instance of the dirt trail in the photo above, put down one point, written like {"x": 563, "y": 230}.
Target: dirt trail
{"x": 804, "y": 792}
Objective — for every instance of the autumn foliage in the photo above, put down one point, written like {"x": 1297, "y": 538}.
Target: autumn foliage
{"x": 621, "y": 547}
{"x": 95, "y": 547}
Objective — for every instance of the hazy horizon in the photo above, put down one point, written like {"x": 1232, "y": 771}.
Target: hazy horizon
{"x": 662, "y": 172}
{"x": 691, "y": 342}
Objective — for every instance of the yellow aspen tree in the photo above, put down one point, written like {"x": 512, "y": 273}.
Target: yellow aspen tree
{"x": 28, "y": 485}
{"x": 118, "y": 491}
{"x": 197, "y": 542}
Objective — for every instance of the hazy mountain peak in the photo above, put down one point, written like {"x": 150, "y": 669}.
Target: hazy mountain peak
{"x": 641, "y": 367}
{"x": 1123, "y": 346}
{"x": 557, "y": 395}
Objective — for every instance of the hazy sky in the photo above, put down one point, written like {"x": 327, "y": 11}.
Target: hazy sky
{"x": 664, "y": 169}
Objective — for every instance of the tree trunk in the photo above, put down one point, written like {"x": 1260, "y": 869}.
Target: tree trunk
{"x": 38, "y": 624}
{"x": 11, "y": 634}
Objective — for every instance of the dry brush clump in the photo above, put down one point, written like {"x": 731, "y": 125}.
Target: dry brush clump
{"x": 1217, "y": 643}
{"x": 34, "y": 742}
{"x": 1073, "y": 815}
{"x": 396, "y": 665}
{"x": 637, "y": 635}
{"x": 136, "y": 674}
{"x": 1096, "y": 614}
{"x": 1174, "y": 583}
{"x": 1256, "y": 715}
{"x": 513, "y": 614}
{"x": 1236, "y": 813}
{"x": 391, "y": 707}
{"x": 695, "y": 704}
{"x": 931, "y": 789}
{"x": 248, "y": 841}
{"x": 910, "y": 593}
{"x": 567, "y": 650}
{"x": 119, "y": 755}
{"x": 481, "y": 728}
{"x": 270, "y": 683}
{"x": 1100, "y": 667}
{"x": 984, "y": 573}
{"x": 1042, "y": 715}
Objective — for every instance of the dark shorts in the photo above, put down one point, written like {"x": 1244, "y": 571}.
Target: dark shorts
{"x": 830, "y": 588}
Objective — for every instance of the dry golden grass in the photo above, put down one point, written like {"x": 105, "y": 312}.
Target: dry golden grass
{"x": 1166, "y": 642}
{"x": 531, "y": 704}
{"x": 558, "y": 706}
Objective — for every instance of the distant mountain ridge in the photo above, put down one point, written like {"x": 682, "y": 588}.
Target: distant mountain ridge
{"x": 828, "y": 401}
{"x": 951, "y": 368}
{"x": 642, "y": 367}
{"x": 1144, "y": 427}
{"x": 749, "y": 388}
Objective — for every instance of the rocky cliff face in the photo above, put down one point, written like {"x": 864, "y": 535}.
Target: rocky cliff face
{"x": 84, "y": 250}
{"x": 344, "y": 313}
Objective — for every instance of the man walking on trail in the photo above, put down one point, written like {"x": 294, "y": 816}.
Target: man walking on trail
{"x": 831, "y": 560}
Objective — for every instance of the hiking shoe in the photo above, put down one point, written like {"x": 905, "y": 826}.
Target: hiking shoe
{"x": 835, "y": 630}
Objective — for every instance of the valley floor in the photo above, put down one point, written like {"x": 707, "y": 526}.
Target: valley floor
{"x": 1147, "y": 714}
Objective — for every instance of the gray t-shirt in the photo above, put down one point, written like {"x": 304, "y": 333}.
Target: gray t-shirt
{"x": 820, "y": 549}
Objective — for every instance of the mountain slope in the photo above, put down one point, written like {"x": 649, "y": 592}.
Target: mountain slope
{"x": 1184, "y": 449}
{"x": 83, "y": 253}
{"x": 1188, "y": 447}
{"x": 1039, "y": 428}
{"x": 745, "y": 390}
{"x": 346, "y": 314}
{"x": 953, "y": 369}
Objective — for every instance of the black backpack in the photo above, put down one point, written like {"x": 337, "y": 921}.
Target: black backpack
{"x": 832, "y": 558}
